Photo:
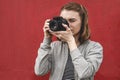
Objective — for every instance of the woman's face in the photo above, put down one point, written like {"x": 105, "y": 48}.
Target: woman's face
{"x": 73, "y": 19}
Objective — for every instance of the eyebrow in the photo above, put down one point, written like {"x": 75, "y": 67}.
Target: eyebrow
{"x": 72, "y": 19}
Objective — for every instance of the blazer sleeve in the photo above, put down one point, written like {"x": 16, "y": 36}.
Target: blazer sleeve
{"x": 43, "y": 59}
{"x": 87, "y": 66}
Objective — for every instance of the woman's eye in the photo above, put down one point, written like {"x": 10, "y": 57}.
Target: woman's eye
{"x": 71, "y": 20}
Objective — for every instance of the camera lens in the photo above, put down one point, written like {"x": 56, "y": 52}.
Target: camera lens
{"x": 53, "y": 25}
{"x": 56, "y": 24}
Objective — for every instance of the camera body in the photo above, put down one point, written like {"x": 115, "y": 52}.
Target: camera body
{"x": 56, "y": 24}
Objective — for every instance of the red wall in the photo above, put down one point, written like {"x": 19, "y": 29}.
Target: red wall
{"x": 21, "y": 23}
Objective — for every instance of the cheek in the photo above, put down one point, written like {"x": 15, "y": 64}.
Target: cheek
{"x": 77, "y": 27}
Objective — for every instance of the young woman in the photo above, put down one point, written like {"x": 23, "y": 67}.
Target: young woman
{"x": 75, "y": 56}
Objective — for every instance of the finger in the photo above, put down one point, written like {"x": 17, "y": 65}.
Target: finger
{"x": 55, "y": 32}
{"x": 45, "y": 29}
{"x": 59, "y": 36}
{"x": 50, "y": 30}
{"x": 46, "y": 23}
{"x": 66, "y": 26}
{"x": 47, "y": 20}
{"x": 45, "y": 26}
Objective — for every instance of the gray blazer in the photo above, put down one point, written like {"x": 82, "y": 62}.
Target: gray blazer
{"x": 52, "y": 57}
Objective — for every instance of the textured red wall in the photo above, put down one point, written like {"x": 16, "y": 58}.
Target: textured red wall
{"x": 21, "y": 23}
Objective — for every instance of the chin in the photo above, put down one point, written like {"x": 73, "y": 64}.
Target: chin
{"x": 75, "y": 34}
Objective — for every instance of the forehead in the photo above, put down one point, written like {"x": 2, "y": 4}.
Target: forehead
{"x": 67, "y": 14}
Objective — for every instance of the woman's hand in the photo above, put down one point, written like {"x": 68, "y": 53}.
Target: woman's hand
{"x": 66, "y": 36}
{"x": 46, "y": 29}
{"x": 63, "y": 35}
